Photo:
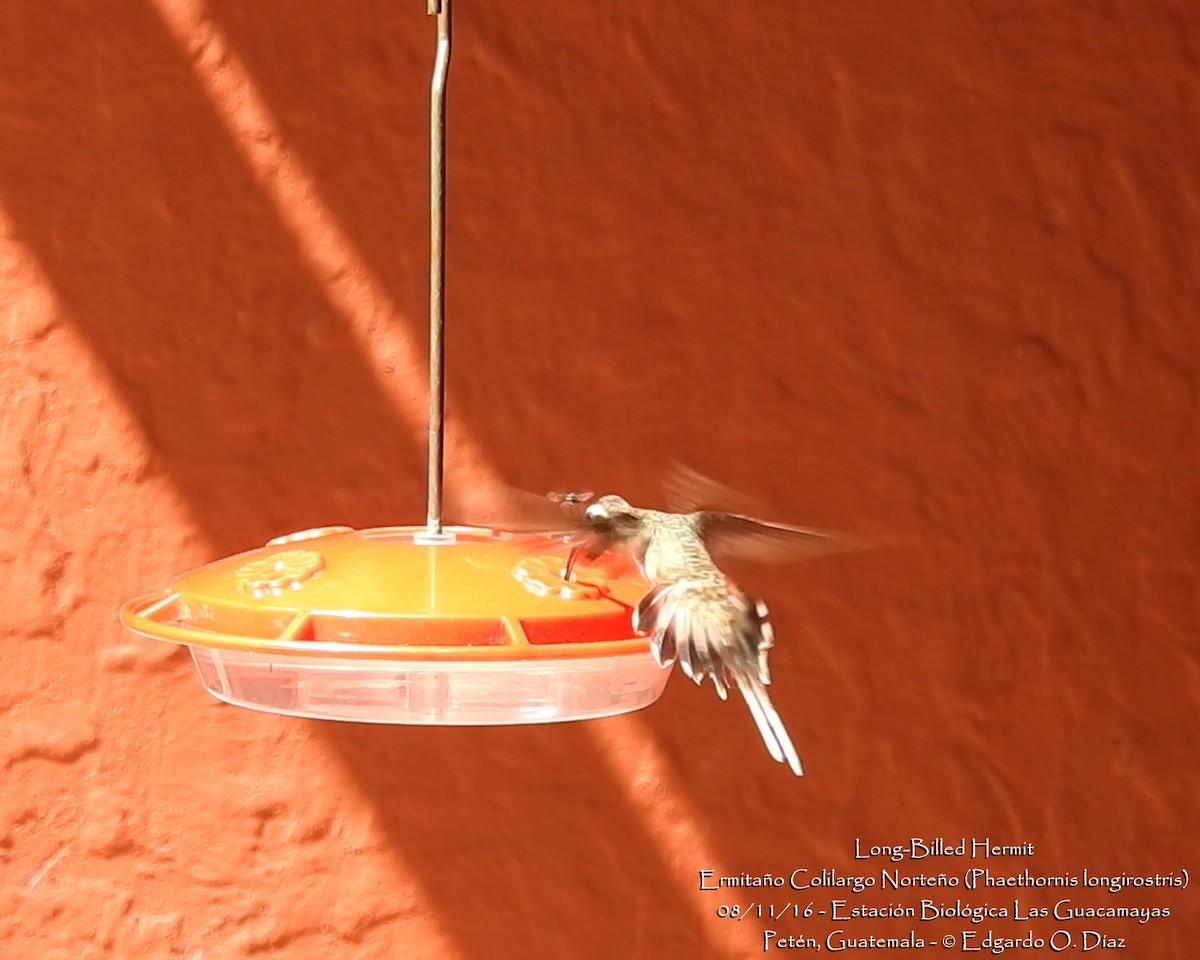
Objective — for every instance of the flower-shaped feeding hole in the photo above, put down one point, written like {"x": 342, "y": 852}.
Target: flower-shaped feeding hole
{"x": 282, "y": 571}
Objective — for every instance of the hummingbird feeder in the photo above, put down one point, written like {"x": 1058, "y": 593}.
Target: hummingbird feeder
{"x": 415, "y": 625}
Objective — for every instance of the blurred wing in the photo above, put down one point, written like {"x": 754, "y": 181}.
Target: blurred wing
{"x": 688, "y": 491}
{"x": 736, "y": 535}
{"x": 729, "y": 529}
{"x": 571, "y": 501}
{"x": 556, "y": 516}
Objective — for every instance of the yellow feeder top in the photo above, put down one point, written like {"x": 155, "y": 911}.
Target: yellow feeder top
{"x": 372, "y": 624}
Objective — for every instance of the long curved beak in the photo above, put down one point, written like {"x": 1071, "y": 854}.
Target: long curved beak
{"x": 569, "y": 567}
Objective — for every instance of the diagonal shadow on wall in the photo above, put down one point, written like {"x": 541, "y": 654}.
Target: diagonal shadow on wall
{"x": 618, "y": 350}
{"x": 181, "y": 279}
{"x": 262, "y": 414}
{"x": 561, "y": 374}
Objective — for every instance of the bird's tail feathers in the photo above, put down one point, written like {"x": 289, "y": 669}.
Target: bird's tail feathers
{"x": 687, "y": 625}
{"x": 680, "y": 631}
{"x": 769, "y": 724}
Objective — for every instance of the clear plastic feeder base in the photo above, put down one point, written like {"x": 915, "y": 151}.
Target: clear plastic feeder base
{"x": 478, "y": 694}
{"x": 388, "y": 626}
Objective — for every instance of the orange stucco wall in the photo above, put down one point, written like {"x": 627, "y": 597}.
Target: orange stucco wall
{"x": 926, "y": 272}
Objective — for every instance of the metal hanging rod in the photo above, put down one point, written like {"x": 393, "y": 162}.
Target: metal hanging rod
{"x": 437, "y": 259}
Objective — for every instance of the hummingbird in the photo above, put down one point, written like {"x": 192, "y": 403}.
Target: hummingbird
{"x": 693, "y": 612}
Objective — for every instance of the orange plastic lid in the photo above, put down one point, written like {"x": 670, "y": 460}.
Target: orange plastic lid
{"x": 390, "y": 593}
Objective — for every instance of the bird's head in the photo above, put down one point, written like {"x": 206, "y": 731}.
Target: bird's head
{"x": 607, "y": 507}
{"x": 613, "y": 516}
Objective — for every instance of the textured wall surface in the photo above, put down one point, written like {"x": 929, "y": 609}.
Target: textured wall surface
{"x": 930, "y": 275}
